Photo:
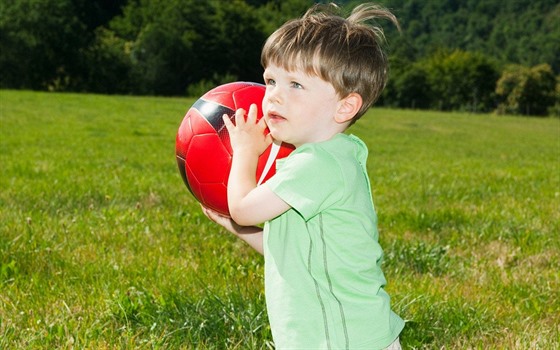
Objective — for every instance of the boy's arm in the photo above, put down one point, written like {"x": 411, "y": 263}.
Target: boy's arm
{"x": 252, "y": 235}
{"x": 248, "y": 203}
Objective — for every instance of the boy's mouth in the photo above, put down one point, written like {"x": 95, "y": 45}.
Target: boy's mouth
{"x": 275, "y": 117}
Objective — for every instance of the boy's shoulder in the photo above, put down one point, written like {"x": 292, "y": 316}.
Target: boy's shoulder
{"x": 338, "y": 141}
{"x": 341, "y": 146}
{"x": 341, "y": 155}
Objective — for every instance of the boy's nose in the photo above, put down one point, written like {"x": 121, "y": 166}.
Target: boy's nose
{"x": 274, "y": 95}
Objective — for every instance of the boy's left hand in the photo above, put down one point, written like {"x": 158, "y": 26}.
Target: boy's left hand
{"x": 250, "y": 234}
{"x": 248, "y": 136}
{"x": 222, "y": 220}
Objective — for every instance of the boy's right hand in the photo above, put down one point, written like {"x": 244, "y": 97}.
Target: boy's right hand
{"x": 248, "y": 135}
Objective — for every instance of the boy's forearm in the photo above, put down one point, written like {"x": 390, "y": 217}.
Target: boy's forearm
{"x": 241, "y": 181}
{"x": 253, "y": 236}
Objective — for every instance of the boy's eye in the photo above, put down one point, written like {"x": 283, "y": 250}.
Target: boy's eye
{"x": 296, "y": 85}
{"x": 270, "y": 82}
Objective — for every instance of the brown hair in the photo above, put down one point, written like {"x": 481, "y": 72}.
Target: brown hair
{"x": 346, "y": 52}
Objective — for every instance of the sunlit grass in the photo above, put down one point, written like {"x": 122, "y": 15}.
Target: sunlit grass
{"x": 102, "y": 246}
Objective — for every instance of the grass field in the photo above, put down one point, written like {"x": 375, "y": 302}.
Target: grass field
{"x": 102, "y": 246}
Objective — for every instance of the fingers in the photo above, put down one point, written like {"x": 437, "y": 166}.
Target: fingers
{"x": 240, "y": 119}
{"x": 206, "y": 212}
{"x": 212, "y": 214}
{"x": 252, "y": 116}
{"x": 227, "y": 122}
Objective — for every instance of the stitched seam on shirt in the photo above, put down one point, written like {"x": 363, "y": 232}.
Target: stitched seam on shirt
{"x": 317, "y": 290}
{"x": 326, "y": 267}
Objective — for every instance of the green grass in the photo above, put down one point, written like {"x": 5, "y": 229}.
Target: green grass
{"x": 102, "y": 246}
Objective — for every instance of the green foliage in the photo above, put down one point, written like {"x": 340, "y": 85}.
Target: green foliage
{"x": 41, "y": 42}
{"x": 555, "y": 109}
{"x": 447, "y": 57}
{"x": 525, "y": 32}
{"x": 274, "y": 13}
{"x": 103, "y": 247}
{"x": 174, "y": 44}
{"x": 408, "y": 86}
{"x": 527, "y": 91}
{"x": 166, "y": 42}
{"x": 200, "y": 88}
{"x": 455, "y": 80}
{"x": 461, "y": 81}
{"x": 110, "y": 64}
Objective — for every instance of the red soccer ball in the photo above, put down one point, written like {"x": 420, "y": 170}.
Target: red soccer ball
{"x": 203, "y": 148}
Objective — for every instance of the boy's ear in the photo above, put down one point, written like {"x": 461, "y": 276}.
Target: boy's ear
{"x": 348, "y": 107}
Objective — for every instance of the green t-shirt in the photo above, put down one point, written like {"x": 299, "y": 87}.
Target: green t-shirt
{"x": 323, "y": 278}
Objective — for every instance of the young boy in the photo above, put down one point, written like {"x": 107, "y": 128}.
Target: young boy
{"x": 323, "y": 278}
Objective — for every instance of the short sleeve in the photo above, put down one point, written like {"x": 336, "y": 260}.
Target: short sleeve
{"x": 309, "y": 180}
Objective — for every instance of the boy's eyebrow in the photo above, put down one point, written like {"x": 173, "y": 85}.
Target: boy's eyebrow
{"x": 295, "y": 75}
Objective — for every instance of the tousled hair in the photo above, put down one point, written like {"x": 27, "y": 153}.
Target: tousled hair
{"x": 346, "y": 52}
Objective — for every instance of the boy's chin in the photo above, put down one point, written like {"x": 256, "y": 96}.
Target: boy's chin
{"x": 278, "y": 139}
{"x": 275, "y": 137}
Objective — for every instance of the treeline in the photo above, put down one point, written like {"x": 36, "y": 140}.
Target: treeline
{"x": 480, "y": 56}
{"x": 476, "y": 55}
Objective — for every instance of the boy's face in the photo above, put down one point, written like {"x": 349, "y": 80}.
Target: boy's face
{"x": 299, "y": 108}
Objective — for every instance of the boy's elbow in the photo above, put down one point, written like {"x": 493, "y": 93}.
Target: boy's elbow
{"x": 241, "y": 217}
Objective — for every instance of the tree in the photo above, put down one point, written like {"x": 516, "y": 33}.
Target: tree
{"x": 461, "y": 80}
{"x": 526, "y": 91}
{"x": 413, "y": 89}
{"x": 109, "y": 65}
{"x": 555, "y": 109}
{"x": 407, "y": 87}
{"x": 177, "y": 43}
{"x": 41, "y": 43}
{"x": 273, "y": 13}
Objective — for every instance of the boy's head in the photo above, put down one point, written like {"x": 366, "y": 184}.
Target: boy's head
{"x": 346, "y": 52}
